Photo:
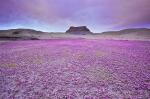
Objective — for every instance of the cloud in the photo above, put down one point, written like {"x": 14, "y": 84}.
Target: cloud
{"x": 98, "y": 14}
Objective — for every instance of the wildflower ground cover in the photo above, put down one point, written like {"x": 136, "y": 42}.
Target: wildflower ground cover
{"x": 75, "y": 69}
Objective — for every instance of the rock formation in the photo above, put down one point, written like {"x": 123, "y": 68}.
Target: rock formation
{"x": 79, "y": 30}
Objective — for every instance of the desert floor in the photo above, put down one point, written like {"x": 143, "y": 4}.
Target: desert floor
{"x": 75, "y": 69}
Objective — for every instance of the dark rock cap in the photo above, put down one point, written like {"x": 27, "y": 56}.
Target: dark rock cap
{"x": 78, "y": 30}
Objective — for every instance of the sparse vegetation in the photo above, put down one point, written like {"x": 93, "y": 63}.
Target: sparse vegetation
{"x": 75, "y": 69}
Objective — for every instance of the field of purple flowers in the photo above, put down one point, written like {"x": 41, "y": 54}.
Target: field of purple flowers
{"x": 75, "y": 69}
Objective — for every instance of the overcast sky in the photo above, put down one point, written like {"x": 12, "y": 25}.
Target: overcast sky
{"x": 59, "y": 15}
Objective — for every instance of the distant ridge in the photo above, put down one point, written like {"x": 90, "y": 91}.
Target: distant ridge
{"x": 19, "y": 34}
{"x": 127, "y": 34}
{"x": 76, "y": 32}
{"x": 129, "y": 30}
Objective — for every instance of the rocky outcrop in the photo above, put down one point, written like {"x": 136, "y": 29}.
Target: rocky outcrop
{"x": 78, "y": 30}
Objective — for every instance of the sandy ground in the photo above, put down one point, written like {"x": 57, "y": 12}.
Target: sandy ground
{"x": 75, "y": 69}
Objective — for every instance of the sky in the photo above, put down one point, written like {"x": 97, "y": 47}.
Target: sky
{"x": 59, "y": 15}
